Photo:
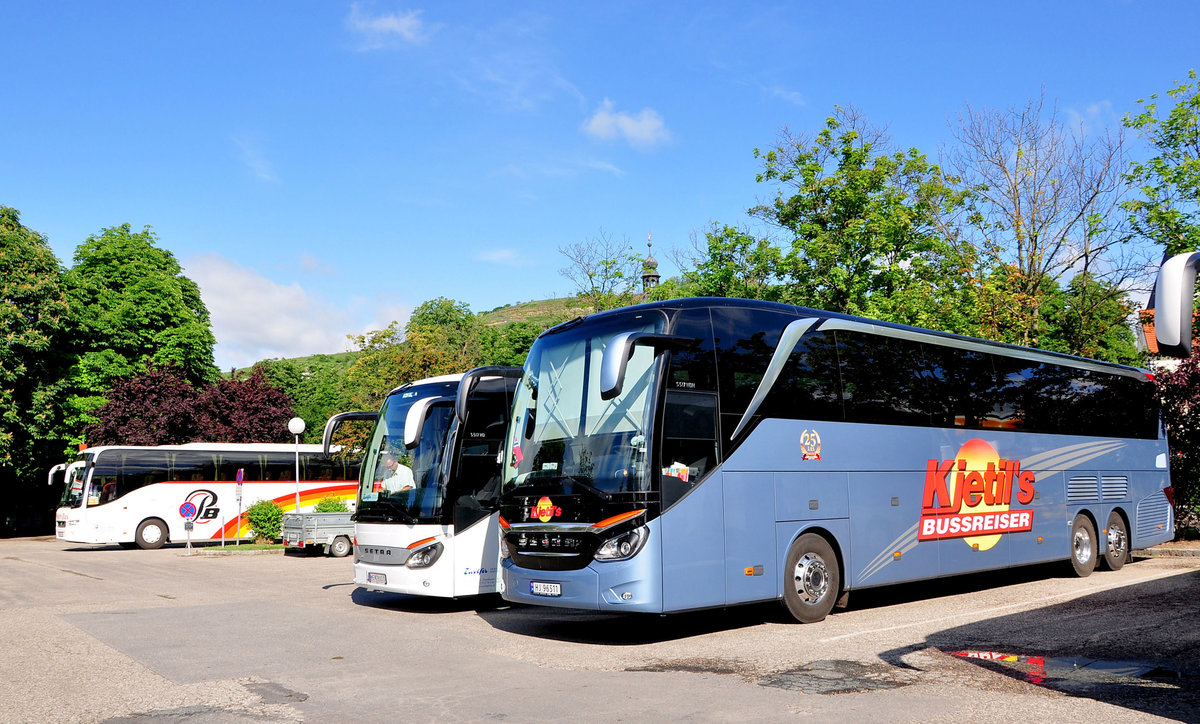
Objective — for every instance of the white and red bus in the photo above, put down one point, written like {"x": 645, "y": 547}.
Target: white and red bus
{"x": 145, "y": 496}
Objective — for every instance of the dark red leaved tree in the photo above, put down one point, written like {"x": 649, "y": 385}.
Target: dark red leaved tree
{"x": 1179, "y": 391}
{"x": 157, "y": 407}
{"x": 243, "y": 410}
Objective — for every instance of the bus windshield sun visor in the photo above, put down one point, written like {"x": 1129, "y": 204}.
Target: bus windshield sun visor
{"x": 470, "y": 380}
{"x": 620, "y": 348}
{"x": 414, "y": 422}
{"x": 1173, "y": 294}
{"x": 787, "y": 342}
{"x": 336, "y": 421}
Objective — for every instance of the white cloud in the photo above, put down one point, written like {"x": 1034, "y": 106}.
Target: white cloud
{"x": 642, "y": 131}
{"x": 254, "y": 318}
{"x": 507, "y": 257}
{"x": 387, "y": 30}
{"x": 256, "y": 160}
{"x": 1093, "y": 118}
{"x": 794, "y": 97}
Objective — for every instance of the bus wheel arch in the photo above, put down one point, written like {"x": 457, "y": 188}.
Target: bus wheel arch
{"x": 151, "y": 533}
{"x": 1116, "y": 540}
{"x": 1084, "y": 544}
{"x": 812, "y": 576}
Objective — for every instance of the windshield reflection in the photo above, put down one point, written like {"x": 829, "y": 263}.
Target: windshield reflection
{"x": 562, "y": 429}
{"x": 400, "y": 484}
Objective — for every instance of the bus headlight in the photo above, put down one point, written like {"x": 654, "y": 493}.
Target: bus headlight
{"x": 623, "y": 546}
{"x": 504, "y": 552}
{"x": 424, "y": 557}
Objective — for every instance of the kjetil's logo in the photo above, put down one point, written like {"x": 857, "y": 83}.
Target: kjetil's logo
{"x": 970, "y": 497}
{"x": 545, "y": 510}
{"x": 200, "y": 506}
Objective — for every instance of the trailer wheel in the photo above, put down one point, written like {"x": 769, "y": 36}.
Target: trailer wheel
{"x": 340, "y": 547}
{"x": 811, "y": 579}
{"x": 151, "y": 534}
{"x": 1083, "y": 546}
{"x": 1116, "y": 548}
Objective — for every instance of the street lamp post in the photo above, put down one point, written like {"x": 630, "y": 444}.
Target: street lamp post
{"x": 296, "y": 427}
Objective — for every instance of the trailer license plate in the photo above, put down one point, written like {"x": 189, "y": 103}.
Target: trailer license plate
{"x": 380, "y": 578}
{"x": 542, "y": 588}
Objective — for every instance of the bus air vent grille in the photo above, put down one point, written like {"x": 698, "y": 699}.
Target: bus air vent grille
{"x": 1114, "y": 487}
{"x": 1079, "y": 489}
{"x": 1153, "y": 512}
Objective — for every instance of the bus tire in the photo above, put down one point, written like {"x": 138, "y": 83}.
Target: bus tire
{"x": 1083, "y": 546}
{"x": 1116, "y": 542}
{"x": 340, "y": 547}
{"x": 151, "y": 534}
{"x": 811, "y": 579}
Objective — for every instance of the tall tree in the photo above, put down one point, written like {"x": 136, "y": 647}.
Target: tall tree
{"x": 1168, "y": 211}
{"x": 243, "y": 410}
{"x": 33, "y": 312}
{"x": 861, "y": 225}
{"x": 133, "y": 308}
{"x": 1048, "y": 197}
{"x": 605, "y": 271}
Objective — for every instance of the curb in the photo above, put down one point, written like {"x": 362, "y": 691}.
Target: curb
{"x": 1167, "y": 552}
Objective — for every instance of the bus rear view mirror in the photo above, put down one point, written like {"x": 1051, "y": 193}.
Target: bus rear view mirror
{"x": 336, "y": 421}
{"x": 1173, "y": 294}
{"x": 414, "y": 422}
{"x": 620, "y": 349}
{"x": 471, "y": 380}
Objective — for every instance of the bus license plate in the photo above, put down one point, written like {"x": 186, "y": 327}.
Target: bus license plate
{"x": 542, "y": 588}
{"x": 380, "y": 578}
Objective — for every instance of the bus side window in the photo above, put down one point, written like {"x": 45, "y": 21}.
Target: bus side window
{"x": 689, "y": 444}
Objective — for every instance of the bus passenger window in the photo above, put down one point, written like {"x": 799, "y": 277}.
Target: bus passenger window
{"x": 689, "y": 445}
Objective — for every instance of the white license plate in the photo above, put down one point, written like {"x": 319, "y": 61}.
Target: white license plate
{"x": 542, "y": 588}
{"x": 380, "y": 578}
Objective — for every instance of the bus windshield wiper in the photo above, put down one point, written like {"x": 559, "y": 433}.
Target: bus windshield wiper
{"x": 582, "y": 482}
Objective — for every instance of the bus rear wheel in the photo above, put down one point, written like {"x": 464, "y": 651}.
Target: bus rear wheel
{"x": 151, "y": 534}
{"x": 1083, "y": 546}
{"x": 811, "y": 579}
{"x": 1116, "y": 542}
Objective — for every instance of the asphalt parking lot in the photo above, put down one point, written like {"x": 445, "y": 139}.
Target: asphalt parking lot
{"x": 114, "y": 635}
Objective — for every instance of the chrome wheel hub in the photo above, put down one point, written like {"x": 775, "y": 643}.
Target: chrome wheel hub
{"x": 811, "y": 578}
{"x": 1116, "y": 542}
{"x": 1083, "y": 546}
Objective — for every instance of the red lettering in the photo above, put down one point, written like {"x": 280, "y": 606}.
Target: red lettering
{"x": 975, "y": 488}
{"x": 992, "y": 489}
{"x": 1025, "y": 483}
{"x": 937, "y": 496}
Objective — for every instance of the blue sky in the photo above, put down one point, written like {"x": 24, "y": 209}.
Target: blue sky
{"x": 320, "y": 168}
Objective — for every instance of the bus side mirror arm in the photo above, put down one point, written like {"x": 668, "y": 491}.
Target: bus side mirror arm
{"x": 336, "y": 421}
{"x": 787, "y": 343}
{"x": 1173, "y": 293}
{"x": 414, "y": 422}
{"x": 470, "y": 380}
{"x": 620, "y": 348}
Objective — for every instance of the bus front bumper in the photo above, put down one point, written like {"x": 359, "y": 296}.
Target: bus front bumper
{"x": 618, "y": 586}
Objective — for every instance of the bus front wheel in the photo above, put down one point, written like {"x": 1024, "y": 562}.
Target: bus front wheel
{"x": 151, "y": 534}
{"x": 811, "y": 579}
{"x": 1116, "y": 542}
{"x": 1083, "y": 546}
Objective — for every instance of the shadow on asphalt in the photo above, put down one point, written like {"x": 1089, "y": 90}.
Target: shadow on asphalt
{"x": 427, "y": 604}
{"x": 1136, "y": 647}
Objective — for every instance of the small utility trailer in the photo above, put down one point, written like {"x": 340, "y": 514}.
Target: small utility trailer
{"x": 332, "y": 531}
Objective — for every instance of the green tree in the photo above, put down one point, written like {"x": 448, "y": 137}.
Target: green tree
{"x": 133, "y": 308}
{"x": 865, "y": 226}
{"x": 733, "y": 263}
{"x": 33, "y": 314}
{"x": 316, "y": 385}
{"x": 604, "y": 271}
{"x": 1168, "y": 211}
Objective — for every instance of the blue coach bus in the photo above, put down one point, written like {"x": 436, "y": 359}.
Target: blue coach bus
{"x": 704, "y": 453}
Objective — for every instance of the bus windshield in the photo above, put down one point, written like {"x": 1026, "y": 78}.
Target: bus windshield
{"x": 562, "y": 429}
{"x": 72, "y": 496}
{"x": 399, "y": 484}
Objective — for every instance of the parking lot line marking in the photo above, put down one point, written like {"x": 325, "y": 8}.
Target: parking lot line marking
{"x": 983, "y": 612}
